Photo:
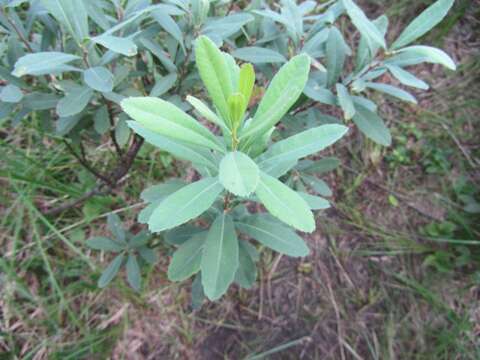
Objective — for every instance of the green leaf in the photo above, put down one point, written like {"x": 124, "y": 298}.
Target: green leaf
{"x": 367, "y": 49}
{"x": 72, "y": 14}
{"x": 101, "y": 120}
{"x": 407, "y": 78}
{"x": 139, "y": 240}
{"x": 66, "y": 124}
{"x": 220, "y": 257}
{"x": 423, "y": 23}
{"x": 363, "y": 24}
{"x": 112, "y": 269}
{"x": 124, "y": 46}
{"x": 274, "y": 235}
{"x": 205, "y": 111}
{"x": 336, "y": 55}
{"x": 236, "y": 109}
{"x": 284, "y": 89}
{"x": 186, "y": 260}
{"x": 392, "y": 91}
{"x": 318, "y": 185}
{"x": 105, "y": 244}
{"x": 160, "y": 191}
{"x": 166, "y": 119}
{"x": 99, "y": 78}
{"x": 133, "y": 272}
{"x": 11, "y": 94}
{"x": 372, "y": 126}
{"x": 179, "y": 149}
{"x": 116, "y": 228}
{"x": 246, "y": 82}
{"x": 322, "y": 166}
{"x": 429, "y": 54}
{"x": 185, "y": 204}
{"x": 284, "y": 203}
{"x": 214, "y": 73}
{"x": 180, "y": 234}
{"x": 258, "y": 55}
{"x": 122, "y": 132}
{"x": 246, "y": 274}
{"x": 197, "y": 295}
{"x": 163, "y": 84}
{"x": 74, "y": 102}
{"x": 298, "y": 146}
{"x": 169, "y": 25}
{"x": 42, "y": 63}
{"x": 315, "y": 202}
{"x": 346, "y": 101}
{"x": 238, "y": 173}
{"x": 148, "y": 255}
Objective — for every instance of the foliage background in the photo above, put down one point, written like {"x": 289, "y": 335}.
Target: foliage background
{"x": 393, "y": 274}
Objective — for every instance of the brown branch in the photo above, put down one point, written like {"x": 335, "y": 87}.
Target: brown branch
{"x": 118, "y": 149}
{"x": 18, "y": 32}
{"x": 85, "y": 163}
{"x": 107, "y": 187}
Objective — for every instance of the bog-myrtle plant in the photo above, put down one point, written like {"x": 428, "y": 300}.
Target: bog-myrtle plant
{"x": 89, "y": 72}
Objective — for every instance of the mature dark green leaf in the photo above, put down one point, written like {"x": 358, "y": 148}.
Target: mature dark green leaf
{"x": 163, "y": 84}
{"x": 72, "y": 14}
{"x": 116, "y": 228}
{"x": 407, "y": 78}
{"x": 346, "y": 101}
{"x": 112, "y": 269}
{"x": 186, "y": 260}
{"x": 134, "y": 277}
{"x": 246, "y": 274}
{"x": 315, "y": 202}
{"x": 258, "y": 55}
{"x": 372, "y": 126}
{"x": 124, "y": 46}
{"x": 181, "y": 234}
{"x": 99, "y": 78}
{"x": 42, "y": 63}
{"x": 220, "y": 257}
{"x": 423, "y": 23}
{"x": 11, "y": 94}
{"x": 274, "y": 235}
{"x": 185, "y": 204}
{"x": 392, "y": 91}
{"x": 74, "y": 102}
{"x": 336, "y": 55}
{"x": 105, "y": 244}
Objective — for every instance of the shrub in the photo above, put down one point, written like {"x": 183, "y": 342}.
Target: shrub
{"x": 71, "y": 67}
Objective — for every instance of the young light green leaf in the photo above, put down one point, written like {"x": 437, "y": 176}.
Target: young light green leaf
{"x": 72, "y": 14}
{"x": 205, "y": 111}
{"x": 112, "y": 269}
{"x": 186, "y": 260}
{"x": 99, "y": 78}
{"x": 363, "y": 24}
{"x": 214, "y": 73}
{"x": 258, "y": 55}
{"x": 392, "y": 91}
{"x": 179, "y": 149}
{"x": 236, "y": 108}
{"x": 372, "y": 126}
{"x": 346, "y": 102}
{"x": 299, "y": 146}
{"x": 166, "y": 119}
{"x": 423, "y": 23}
{"x": 407, "y": 78}
{"x": 336, "y": 55}
{"x": 284, "y": 89}
{"x": 185, "y": 204}
{"x": 220, "y": 257}
{"x": 284, "y": 203}
{"x": 134, "y": 277}
{"x": 238, "y": 173}
{"x": 105, "y": 244}
{"x": 11, "y": 94}
{"x": 74, "y": 102}
{"x": 246, "y": 82}
{"x": 247, "y": 270}
{"x": 429, "y": 54}
{"x": 119, "y": 45}
{"x": 274, "y": 235}
{"x": 42, "y": 63}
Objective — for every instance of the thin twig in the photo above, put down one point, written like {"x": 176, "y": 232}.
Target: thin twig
{"x": 18, "y": 32}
